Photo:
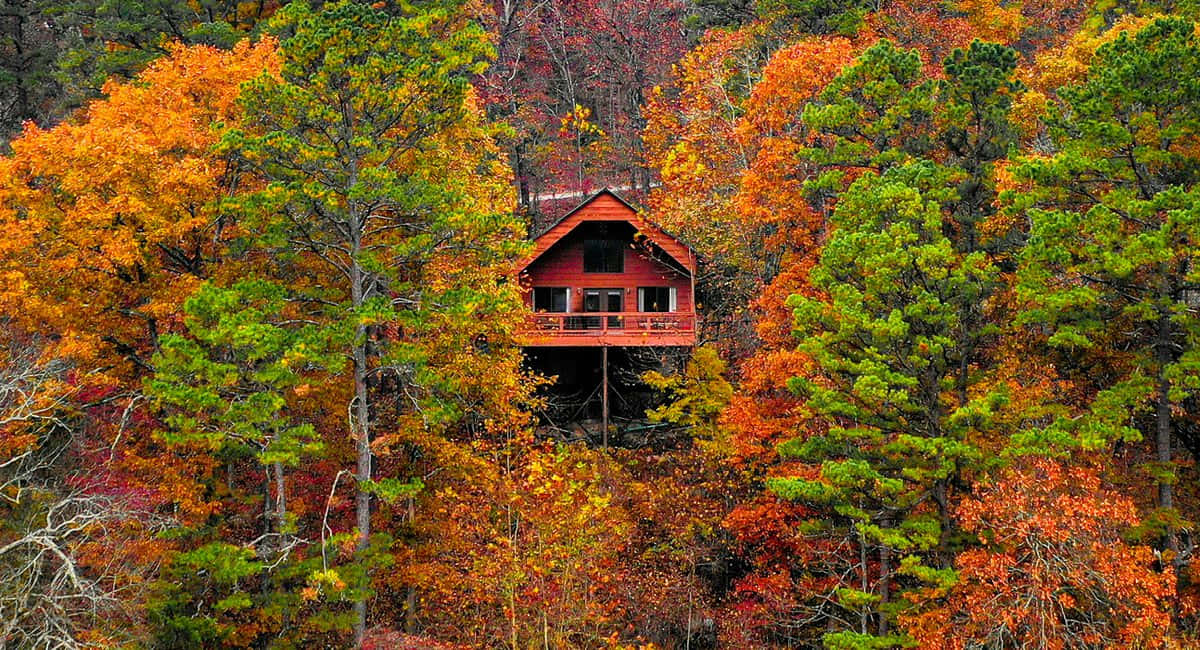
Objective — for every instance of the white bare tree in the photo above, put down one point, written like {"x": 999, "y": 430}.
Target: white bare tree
{"x": 48, "y": 595}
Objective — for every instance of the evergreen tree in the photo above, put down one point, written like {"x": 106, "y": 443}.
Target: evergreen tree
{"x": 384, "y": 204}
{"x": 1114, "y": 223}
{"x": 224, "y": 388}
{"x": 896, "y": 329}
{"x": 103, "y": 39}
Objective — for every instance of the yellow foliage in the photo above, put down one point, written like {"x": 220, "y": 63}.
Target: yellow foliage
{"x": 994, "y": 21}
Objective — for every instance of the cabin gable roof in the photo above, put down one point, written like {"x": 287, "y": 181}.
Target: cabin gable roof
{"x": 607, "y": 205}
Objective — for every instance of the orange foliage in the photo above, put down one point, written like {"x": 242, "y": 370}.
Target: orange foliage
{"x": 532, "y": 541}
{"x": 1053, "y": 572}
{"x": 771, "y": 194}
{"x": 727, "y": 163}
{"x": 927, "y": 26}
{"x": 691, "y": 139}
{"x": 937, "y": 28}
{"x": 107, "y": 222}
{"x": 993, "y": 21}
{"x": 522, "y": 552}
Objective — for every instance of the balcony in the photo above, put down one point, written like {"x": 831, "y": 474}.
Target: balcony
{"x": 623, "y": 328}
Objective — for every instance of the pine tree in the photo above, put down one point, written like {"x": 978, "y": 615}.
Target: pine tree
{"x": 1114, "y": 223}
{"x": 383, "y": 204}
{"x": 896, "y": 325}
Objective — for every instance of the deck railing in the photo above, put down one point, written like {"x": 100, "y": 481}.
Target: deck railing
{"x": 598, "y": 323}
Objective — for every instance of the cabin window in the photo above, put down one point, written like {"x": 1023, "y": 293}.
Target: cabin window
{"x": 551, "y": 298}
{"x": 656, "y": 298}
{"x": 603, "y": 256}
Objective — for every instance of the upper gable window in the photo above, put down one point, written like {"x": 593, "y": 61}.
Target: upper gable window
{"x": 603, "y": 256}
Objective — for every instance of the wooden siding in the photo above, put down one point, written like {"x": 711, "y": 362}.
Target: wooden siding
{"x": 563, "y": 267}
{"x": 606, "y": 206}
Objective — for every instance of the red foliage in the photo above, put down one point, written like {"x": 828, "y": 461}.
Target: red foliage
{"x": 387, "y": 639}
{"x": 601, "y": 55}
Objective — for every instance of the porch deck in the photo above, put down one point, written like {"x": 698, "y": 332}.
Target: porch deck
{"x": 586, "y": 329}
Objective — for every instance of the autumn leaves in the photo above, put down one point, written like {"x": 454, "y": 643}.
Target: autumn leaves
{"x": 978, "y": 303}
{"x": 951, "y": 283}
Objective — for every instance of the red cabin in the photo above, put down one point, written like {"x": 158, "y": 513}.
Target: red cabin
{"x": 605, "y": 276}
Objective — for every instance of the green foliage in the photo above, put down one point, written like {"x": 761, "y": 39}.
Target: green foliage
{"x": 103, "y": 39}
{"x": 224, "y": 569}
{"x": 1104, "y": 13}
{"x": 843, "y": 17}
{"x": 29, "y": 47}
{"x": 228, "y": 386}
{"x": 877, "y": 113}
{"x": 371, "y": 236}
{"x": 342, "y": 137}
{"x": 706, "y": 14}
{"x": 225, "y": 383}
{"x": 1111, "y": 259}
{"x": 224, "y": 596}
{"x": 978, "y": 95}
{"x": 976, "y": 98}
{"x": 381, "y": 181}
{"x": 120, "y": 37}
{"x": 847, "y": 640}
{"x": 391, "y": 490}
{"x": 891, "y": 340}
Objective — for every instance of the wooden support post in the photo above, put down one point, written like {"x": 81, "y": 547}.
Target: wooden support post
{"x": 604, "y": 393}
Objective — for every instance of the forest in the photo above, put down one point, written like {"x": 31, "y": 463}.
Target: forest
{"x": 263, "y": 374}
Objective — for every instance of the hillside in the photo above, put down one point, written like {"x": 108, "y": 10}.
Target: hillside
{"x": 320, "y": 329}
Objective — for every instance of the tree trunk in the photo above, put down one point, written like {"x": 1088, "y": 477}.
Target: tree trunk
{"x": 524, "y": 195}
{"x": 1162, "y": 422}
{"x": 362, "y": 498}
{"x": 885, "y": 590}
{"x": 864, "y": 582}
{"x": 1163, "y": 441}
{"x": 361, "y": 422}
{"x": 941, "y": 496}
{"x": 280, "y": 499}
{"x": 410, "y": 599}
{"x": 884, "y": 586}
{"x": 268, "y": 514}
